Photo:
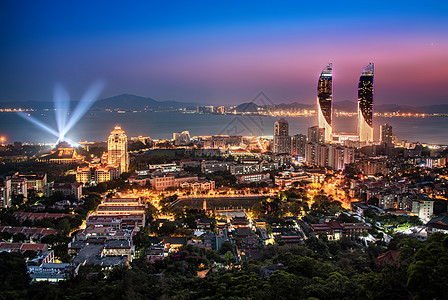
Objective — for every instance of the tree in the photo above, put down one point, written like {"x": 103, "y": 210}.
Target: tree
{"x": 229, "y": 258}
{"x": 17, "y": 200}
{"x": 19, "y": 237}
{"x": 151, "y": 212}
{"x": 226, "y": 247}
{"x": 13, "y": 272}
{"x": 63, "y": 225}
{"x": 428, "y": 274}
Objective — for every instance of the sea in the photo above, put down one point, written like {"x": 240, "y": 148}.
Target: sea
{"x": 96, "y": 126}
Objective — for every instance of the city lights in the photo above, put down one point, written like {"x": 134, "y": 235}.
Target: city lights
{"x": 62, "y": 109}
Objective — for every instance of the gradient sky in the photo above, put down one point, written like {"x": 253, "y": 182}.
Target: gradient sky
{"x": 224, "y": 52}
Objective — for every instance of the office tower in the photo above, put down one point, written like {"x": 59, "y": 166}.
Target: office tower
{"x": 181, "y": 138}
{"x": 117, "y": 149}
{"x": 386, "y": 136}
{"x": 282, "y": 140}
{"x": 365, "y": 105}
{"x": 316, "y": 134}
{"x": 325, "y": 101}
{"x": 298, "y": 144}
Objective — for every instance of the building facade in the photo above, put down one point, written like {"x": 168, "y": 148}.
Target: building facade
{"x": 67, "y": 189}
{"x": 298, "y": 144}
{"x": 316, "y": 134}
{"x": 365, "y": 104}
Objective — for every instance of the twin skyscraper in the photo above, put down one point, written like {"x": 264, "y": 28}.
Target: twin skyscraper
{"x": 365, "y": 103}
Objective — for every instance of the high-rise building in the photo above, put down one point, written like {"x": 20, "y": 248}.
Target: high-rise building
{"x": 117, "y": 149}
{"x": 316, "y": 134}
{"x": 339, "y": 156}
{"x": 298, "y": 144}
{"x": 282, "y": 140}
{"x": 386, "y": 135}
{"x": 311, "y": 153}
{"x": 325, "y": 101}
{"x": 281, "y": 127}
{"x": 365, "y": 104}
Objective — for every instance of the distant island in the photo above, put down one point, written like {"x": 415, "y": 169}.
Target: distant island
{"x": 129, "y": 102}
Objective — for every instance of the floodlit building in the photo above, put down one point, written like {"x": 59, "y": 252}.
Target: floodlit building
{"x": 117, "y": 148}
{"x": 96, "y": 173}
{"x": 282, "y": 140}
{"x": 63, "y": 153}
{"x": 365, "y": 104}
{"x": 423, "y": 207}
{"x": 325, "y": 101}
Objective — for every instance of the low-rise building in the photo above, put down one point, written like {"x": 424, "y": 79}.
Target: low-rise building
{"x": 200, "y": 184}
{"x": 30, "y": 232}
{"x": 161, "y": 181}
{"x": 252, "y": 177}
{"x": 22, "y": 247}
{"x": 439, "y": 224}
{"x": 67, "y": 189}
{"x": 62, "y": 154}
{"x": 211, "y": 166}
{"x": 335, "y": 230}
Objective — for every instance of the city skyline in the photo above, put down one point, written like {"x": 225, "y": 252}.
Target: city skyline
{"x": 222, "y": 54}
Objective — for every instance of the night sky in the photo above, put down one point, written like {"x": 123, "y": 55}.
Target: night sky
{"x": 224, "y": 52}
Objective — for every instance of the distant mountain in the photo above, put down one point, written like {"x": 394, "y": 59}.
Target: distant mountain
{"x": 246, "y": 107}
{"x": 294, "y": 105}
{"x": 121, "y": 102}
{"x": 133, "y": 102}
{"x": 442, "y": 109}
{"x": 130, "y": 102}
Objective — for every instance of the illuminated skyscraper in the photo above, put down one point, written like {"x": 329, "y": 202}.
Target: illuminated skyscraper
{"x": 117, "y": 149}
{"x": 316, "y": 134}
{"x": 298, "y": 144}
{"x": 386, "y": 136}
{"x": 325, "y": 101}
{"x": 282, "y": 140}
{"x": 365, "y": 104}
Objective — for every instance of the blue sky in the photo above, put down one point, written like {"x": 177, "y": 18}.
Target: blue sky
{"x": 223, "y": 52}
